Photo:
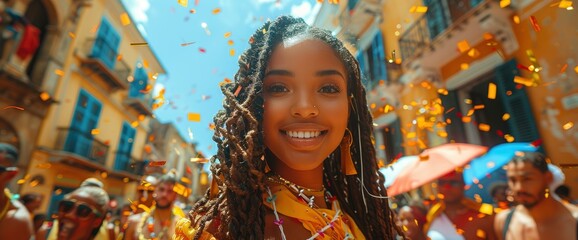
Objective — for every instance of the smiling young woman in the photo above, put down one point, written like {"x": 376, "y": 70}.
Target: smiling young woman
{"x": 295, "y": 157}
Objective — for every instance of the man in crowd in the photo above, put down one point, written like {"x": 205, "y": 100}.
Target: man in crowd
{"x": 81, "y": 213}
{"x": 31, "y": 201}
{"x": 499, "y": 193}
{"x": 15, "y": 221}
{"x": 538, "y": 215}
{"x": 457, "y": 217}
{"x": 159, "y": 222}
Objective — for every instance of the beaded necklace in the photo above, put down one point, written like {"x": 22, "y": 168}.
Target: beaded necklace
{"x": 299, "y": 191}
{"x": 148, "y": 219}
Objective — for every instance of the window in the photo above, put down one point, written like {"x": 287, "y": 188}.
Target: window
{"x": 139, "y": 83}
{"x": 376, "y": 56}
{"x": 393, "y": 141}
{"x": 351, "y": 4}
{"x": 435, "y": 16}
{"x": 106, "y": 44}
{"x": 84, "y": 120}
{"x": 125, "y": 143}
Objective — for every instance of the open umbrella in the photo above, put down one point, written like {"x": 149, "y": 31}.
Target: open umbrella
{"x": 434, "y": 163}
{"x": 393, "y": 170}
{"x": 495, "y": 158}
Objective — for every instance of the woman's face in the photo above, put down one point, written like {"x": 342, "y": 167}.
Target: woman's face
{"x": 306, "y": 103}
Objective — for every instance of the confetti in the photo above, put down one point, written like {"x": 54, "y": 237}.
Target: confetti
{"x": 463, "y": 46}
{"x": 216, "y": 11}
{"x": 227, "y": 34}
{"x": 568, "y": 126}
{"x": 93, "y": 29}
{"x": 524, "y": 81}
{"x": 464, "y": 66}
{"x": 480, "y": 106}
{"x": 71, "y": 35}
{"x": 212, "y": 126}
{"x": 187, "y": 44}
{"x": 418, "y": 9}
{"x": 509, "y": 138}
{"x": 484, "y": 127}
{"x": 232, "y": 52}
{"x": 504, "y": 3}
{"x": 473, "y": 53}
{"x": 492, "y": 91}
{"x": 225, "y": 81}
{"x": 157, "y": 163}
{"x": 139, "y": 44}
{"x": 183, "y": 3}
{"x": 59, "y": 72}
{"x": 442, "y": 134}
{"x": 230, "y": 42}
{"x": 202, "y": 50}
{"x": 565, "y": 4}
{"x": 119, "y": 57}
{"x": 506, "y": 116}
{"x": 563, "y": 69}
{"x": 238, "y": 91}
{"x": 449, "y": 110}
{"x": 199, "y": 160}
{"x": 14, "y": 107}
{"x": 466, "y": 119}
{"x": 516, "y": 19}
{"x": 576, "y": 69}
{"x": 147, "y": 89}
{"x": 124, "y": 19}
{"x": 443, "y": 91}
{"x": 194, "y": 117}
{"x": 193, "y": 11}
{"x": 535, "y": 24}
{"x": 134, "y": 124}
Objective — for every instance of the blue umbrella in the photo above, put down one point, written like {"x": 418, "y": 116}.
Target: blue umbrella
{"x": 495, "y": 158}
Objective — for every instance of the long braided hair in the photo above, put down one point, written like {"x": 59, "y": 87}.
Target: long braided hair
{"x": 238, "y": 168}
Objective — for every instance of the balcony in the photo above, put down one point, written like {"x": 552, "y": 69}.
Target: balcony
{"x": 100, "y": 58}
{"x": 140, "y": 101}
{"x": 126, "y": 163}
{"x": 81, "y": 144}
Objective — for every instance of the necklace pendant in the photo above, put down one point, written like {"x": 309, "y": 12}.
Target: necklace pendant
{"x": 311, "y": 201}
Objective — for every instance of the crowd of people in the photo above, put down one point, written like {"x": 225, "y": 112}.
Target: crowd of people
{"x": 296, "y": 160}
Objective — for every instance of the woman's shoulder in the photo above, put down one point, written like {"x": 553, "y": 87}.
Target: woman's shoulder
{"x": 185, "y": 229}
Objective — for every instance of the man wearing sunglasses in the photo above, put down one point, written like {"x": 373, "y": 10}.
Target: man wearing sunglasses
{"x": 15, "y": 221}
{"x": 456, "y": 216}
{"x": 81, "y": 213}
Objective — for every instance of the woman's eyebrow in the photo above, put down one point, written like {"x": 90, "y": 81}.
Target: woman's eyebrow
{"x": 279, "y": 72}
{"x": 329, "y": 72}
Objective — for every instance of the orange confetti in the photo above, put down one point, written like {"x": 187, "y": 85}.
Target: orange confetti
{"x": 95, "y": 131}
{"x": 442, "y": 134}
{"x": 147, "y": 89}
{"x": 464, "y": 66}
{"x": 576, "y": 69}
{"x": 563, "y": 69}
{"x": 183, "y": 3}
{"x": 504, "y": 3}
{"x": 492, "y": 90}
{"x": 484, "y": 127}
{"x": 418, "y": 9}
{"x": 568, "y": 126}
{"x": 470, "y": 112}
{"x": 14, "y": 107}
{"x": 124, "y": 19}
{"x": 565, "y": 4}
{"x": 71, "y": 35}
{"x": 59, "y": 72}
{"x": 141, "y": 117}
{"x": 443, "y": 91}
{"x": 157, "y": 163}
{"x": 216, "y": 11}
{"x": 194, "y": 117}
{"x": 44, "y": 96}
{"x": 535, "y": 24}
{"x": 478, "y": 107}
{"x": 466, "y": 119}
{"x": 134, "y": 124}
{"x": 474, "y": 53}
{"x": 238, "y": 91}
{"x": 524, "y": 81}
{"x": 225, "y": 81}
{"x": 227, "y": 34}
{"x": 463, "y": 46}
{"x": 509, "y": 138}
{"x": 212, "y": 126}
{"x": 119, "y": 57}
{"x": 506, "y": 116}
{"x": 230, "y": 42}
{"x": 449, "y": 110}
{"x": 232, "y": 52}
{"x": 516, "y": 19}
{"x": 423, "y": 157}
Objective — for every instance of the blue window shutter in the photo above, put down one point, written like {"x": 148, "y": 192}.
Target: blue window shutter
{"x": 435, "y": 16}
{"x": 106, "y": 44}
{"x": 455, "y": 128}
{"x": 139, "y": 83}
{"x": 84, "y": 119}
{"x": 125, "y": 144}
{"x": 521, "y": 122}
{"x": 380, "y": 71}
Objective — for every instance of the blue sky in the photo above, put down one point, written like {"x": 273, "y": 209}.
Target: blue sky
{"x": 193, "y": 75}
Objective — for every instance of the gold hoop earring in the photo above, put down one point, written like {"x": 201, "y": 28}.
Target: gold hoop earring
{"x": 347, "y": 166}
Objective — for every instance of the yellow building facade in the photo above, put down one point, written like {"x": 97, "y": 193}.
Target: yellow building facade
{"x": 101, "y": 86}
{"x": 483, "y": 72}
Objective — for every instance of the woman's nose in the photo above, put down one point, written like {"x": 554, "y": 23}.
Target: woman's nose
{"x": 304, "y": 109}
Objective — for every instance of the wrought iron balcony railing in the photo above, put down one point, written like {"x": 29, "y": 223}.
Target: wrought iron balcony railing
{"x": 83, "y": 144}
{"x": 103, "y": 59}
{"x": 125, "y": 162}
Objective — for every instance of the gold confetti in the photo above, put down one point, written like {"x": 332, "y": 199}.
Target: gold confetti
{"x": 388, "y": 108}
{"x": 104, "y": 175}
{"x": 232, "y": 52}
{"x": 565, "y": 4}
{"x": 470, "y": 112}
{"x": 134, "y": 124}
{"x": 443, "y": 91}
{"x": 145, "y": 64}
{"x": 474, "y": 53}
{"x": 481, "y": 234}
{"x": 216, "y": 11}
{"x": 468, "y": 101}
{"x": 524, "y": 81}
{"x": 576, "y": 69}
{"x": 71, "y": 35}
{"x": 124, "y": 19}
{"x": 227, "y": 34}
{"x": 568, "y": 126}
{"x": 463, "y": 46}
{"x": 504, "y": 3}
{"x": 183, "y": 3}
{"x": 418, "y": 9}
{"x": 95, "y": 131}
{"x": 464, "y": 66}
{"x": 225, "y": 81}
{"x": 442, "y": 134}
{"x": 484, "y": 127}
{"x": 480, "y": 106}
{"x": 411, "y": 135}
{"x": 466, "y": 119}
{"x": 125, "y": 180}
{"x": 516, "y": 19}
{"x": 194, "y": 117}
{"x": 59, "y": 72}
{"x": 230, "y": 42}
{"x": 506, "y": 116}
{"x": 509, "y": 138}
{"x": 44, "y": 96}
{"x": 492, "y": 90}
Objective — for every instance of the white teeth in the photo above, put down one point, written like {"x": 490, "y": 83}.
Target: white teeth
{"x": 297, "y": 134}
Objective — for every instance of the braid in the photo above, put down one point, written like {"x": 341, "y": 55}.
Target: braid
{"x": 238, "y": 168}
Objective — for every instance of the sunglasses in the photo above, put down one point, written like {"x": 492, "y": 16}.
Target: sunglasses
{"x": 8, "y": 169}
{"x": 83, "y": 210}
{"x": 452, "y": 183}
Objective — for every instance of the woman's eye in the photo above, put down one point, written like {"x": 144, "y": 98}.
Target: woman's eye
{"x": 278, "y": 88}
{"x": 329, "y": 89}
